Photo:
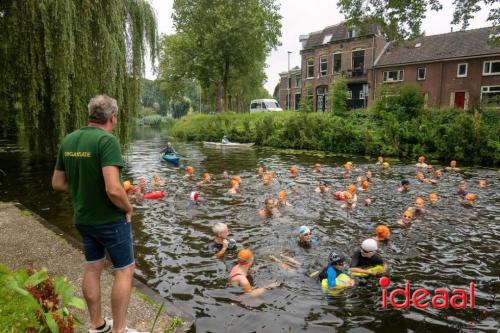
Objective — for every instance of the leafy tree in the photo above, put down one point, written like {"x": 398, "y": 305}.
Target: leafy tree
{"x": 338, "y": 96}
{"x": 55, "y": 55}
{"x": 220, "y": 41}
{"x": 307, "y": 99}
{"x": 402, "y": 19}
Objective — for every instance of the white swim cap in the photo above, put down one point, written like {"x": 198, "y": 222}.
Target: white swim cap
{"x": 304, "y": 230}
{"x": 369, "y": 245}
{"x": 194, "y": 196}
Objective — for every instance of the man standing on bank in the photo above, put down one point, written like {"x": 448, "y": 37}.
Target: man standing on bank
{"x": 88, "y": 167}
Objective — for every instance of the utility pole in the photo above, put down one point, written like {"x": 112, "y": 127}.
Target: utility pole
{"x": 289, "y": 83}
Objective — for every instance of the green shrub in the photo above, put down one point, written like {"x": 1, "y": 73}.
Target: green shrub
{"x": 338, "y": 96}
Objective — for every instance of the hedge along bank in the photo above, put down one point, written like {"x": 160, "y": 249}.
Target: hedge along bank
{"x": 444, "y": 134}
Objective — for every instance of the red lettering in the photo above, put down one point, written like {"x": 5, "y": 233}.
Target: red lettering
{"x": 405, "y": 292}
{"x": 384, "y": 298}
{"x": 459, "y": 299}
{"x": 419, "y": 295}
{"x": 440, "y": 294}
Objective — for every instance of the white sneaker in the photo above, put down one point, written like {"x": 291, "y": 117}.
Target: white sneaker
{"x": 108, "y": 326}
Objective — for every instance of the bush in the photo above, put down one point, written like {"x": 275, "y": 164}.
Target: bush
{"x": 470, "y": 137}
{"x": 32, "y": 302}
{"x": 338, "y": 96}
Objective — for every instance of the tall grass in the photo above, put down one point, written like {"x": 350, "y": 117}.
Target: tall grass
{"x": 471, "y": 137}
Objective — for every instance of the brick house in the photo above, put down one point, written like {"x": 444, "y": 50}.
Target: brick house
{"x": 329, "y": 53}
{"x": 454, "y": 69}
{"x": 458, "y": 69}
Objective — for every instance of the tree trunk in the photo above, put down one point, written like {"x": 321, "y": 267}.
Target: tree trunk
{"x": 218, "y": 95}
{"x": 225, "y": 78}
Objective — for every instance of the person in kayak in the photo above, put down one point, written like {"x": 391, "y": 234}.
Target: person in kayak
{"x": 224, "y": 140}
{"x": 168, "y": 149}
{"x": 367, "y": 257}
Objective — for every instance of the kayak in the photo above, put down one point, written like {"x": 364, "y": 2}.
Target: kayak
{"x": 227, "y": 145}
{"x": 172, "y": 158}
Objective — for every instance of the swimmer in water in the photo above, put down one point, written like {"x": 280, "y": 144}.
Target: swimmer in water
{"x": 347, "y": 168}
{"x": 380, "y": 162}
{"x": 136, "y": 195}
{"x": 206, "y": 179}
{"x": 382, "y": 233}
{"x": 369, "y": 175}
{"x": 282, "y": 200}
{"x": 293, "y": 171}
{"x": 386, "y": 166}
{"x": 407, "y": 217}
{"x": 469, "y": 199}
{"x": 225, "y": 175}
{"x": 433, "y": 198}
{"x": 349, "y": 203}
{"x": 260, "y": 172}
{"x": 405, "y": 186}
{"x": 239, "y": 275}
{"x": 336, "y": 266}
{"x": 367, "y": 257}
{"x": 235, "y": 186}
{"x": 269, "y": 209}
{"x": 482, "y": 183}
{"x": 189, "y": 173}
{"x": 322, "y": 188}
{"x": 453, "y": 167}
{"x": 438, "y": 174}
{"x": 156, "y": 181}
{"x": 421, "y": 178}
{"x": 462, "y": 189}
{"x": 364, "y": 186}
{"x": 419, "y": 207}
{"x": 421, "y": 163}
{"x": 305, "y": 240}
{"x": 430, "y": 169}
{"x": 352, "y": 189}
{"x": 317, "y": 167}
{"x": 221, "y": 242}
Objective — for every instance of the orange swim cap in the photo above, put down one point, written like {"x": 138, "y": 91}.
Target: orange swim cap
{"x": 347, "y": 195}
{"x": 189, "y": 169}
{"x": 470, "y": 197}
{"x": 365, "y": 184}
{"x": 421, "y": 159}
{"x": 351, "y": 188}
{"x": 206, "y": 175}
{"x": 272, "y": 174}
{"x": 382, "y": 231}
{"x": 233, "y": 182}
{"x": 237, "y": 178}
{"x": 126, "y": 185}
{"x": 245, "y": 257}
{"x": 282, "y": 194}
{"x": 293, "y": 168}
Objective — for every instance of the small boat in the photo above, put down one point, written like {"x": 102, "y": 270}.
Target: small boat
{"x": 172, "y": 158}
{"x": 227, "y": 145}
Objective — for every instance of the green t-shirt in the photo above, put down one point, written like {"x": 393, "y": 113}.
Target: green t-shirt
{"x": 82, "y": 156}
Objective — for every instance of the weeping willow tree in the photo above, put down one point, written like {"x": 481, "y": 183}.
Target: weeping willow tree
{"x": 56, "y": 54}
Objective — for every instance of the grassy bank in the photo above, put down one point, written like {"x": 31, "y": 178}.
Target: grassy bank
{"x": 444, "y": 134}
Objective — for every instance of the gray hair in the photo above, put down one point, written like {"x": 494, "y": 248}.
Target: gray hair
{"x": 101, "y": 108}
{"x": 219, "y": 227}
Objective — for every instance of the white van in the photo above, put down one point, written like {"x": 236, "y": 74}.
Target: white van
{"x": 264, "y": 105}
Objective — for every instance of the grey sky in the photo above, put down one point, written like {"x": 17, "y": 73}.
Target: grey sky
{"x": 303, "y": 17}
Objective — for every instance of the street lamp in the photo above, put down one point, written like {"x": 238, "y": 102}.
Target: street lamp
{"x": 289, "y": 83}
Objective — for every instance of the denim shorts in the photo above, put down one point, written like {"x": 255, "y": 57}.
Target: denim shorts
{"x": 113, "y": 238}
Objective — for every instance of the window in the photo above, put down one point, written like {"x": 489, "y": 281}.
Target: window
{"x": 361, "y": 94}
{"x": 490, "y": 96}
{"x": 337, "y": 62}
{"x": 491, "y": 67}
{"x": 323, "y": 66}
{"x": 327, "y": 38}
{"x": 353, "y": 33}
{"x": 393, "y": 76}
{"x": 349, "y": 94}
{"x": 255, "y": 106}
{"x": 297, "y": 81}
{"x": 421, "y": 71}
{"x": 462, "y": 70}
{"x": 310, "y": 68}
{"x": 358, "y": 63}
{"x": 289, "y": 82}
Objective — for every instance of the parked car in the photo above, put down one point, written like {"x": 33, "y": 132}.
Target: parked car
{"x": 264, "y": 105}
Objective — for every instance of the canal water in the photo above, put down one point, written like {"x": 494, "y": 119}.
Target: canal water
{"x": 448, "y": 247}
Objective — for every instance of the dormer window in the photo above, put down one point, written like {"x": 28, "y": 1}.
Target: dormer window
{"x": 353, "y": 33}
{"x": 327, "y": 39}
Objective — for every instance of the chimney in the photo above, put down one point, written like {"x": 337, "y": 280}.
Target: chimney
{"x": 303, "y": 39}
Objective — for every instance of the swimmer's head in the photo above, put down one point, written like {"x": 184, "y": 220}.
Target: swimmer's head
{"x": 438, "y": 174}
{"x": 347, "y": 167}
{"x": 293, "y": 169}
{"x": 482, "y": 183}
{"x": 408, "y": 214}
{"x": 245, "y": 257}
{"x": 194, "y": 196}
{"x": 347, "y": 195}
{"x": 369, "y": 246}
{"x": 237, "y": 178}
{"x": 351, "y": 188}
{"x": 405, "y": 182}
{"x": 381, "y": 159}
{"x": 156, "y": 176}
{"x": 470, "y": 197}
{"x": 433, "y": 197}
{"x": 260, "y": 171}
{"x": 336, "y": 258}
{"x": 266, "y": 179}
{"x": 234, "y": 184}
{"x": 269, "y": 203}
{"x": 461, "y": 185}
{"x": 382, "y": 232}
{"x": 304, "y": 231}
{"x": 453, "y": 164}
{"x": 420, "y": 176}
{"x": 365, "y": 184}
{"x": 126, "y": 185}
{"x": 421, "y": 159}
{"x": 282, "y": 194}
{"x": 429, "y": 167}
{"x": 369, "y": 174}
{"x": 189, "y": 170}
{"x": 419, "y": 202}
{"x": 206, "y": 176}
{"x": 272, "y": 174}
{"x": 386, "y": 165}
{"x": 220, "y": 230}
{"x": 225, "y": 175}
{"x": 317, "y": 167}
